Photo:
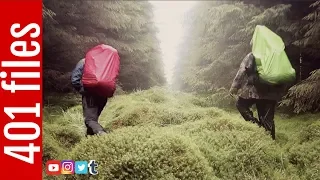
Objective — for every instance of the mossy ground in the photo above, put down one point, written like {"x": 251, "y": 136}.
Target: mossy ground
{"x": 160, "y": 134}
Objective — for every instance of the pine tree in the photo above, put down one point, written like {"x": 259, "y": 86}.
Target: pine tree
{"x": 218, "y": 40}
{"x": 304, "y": 96}
{"x": 125, "y": 25}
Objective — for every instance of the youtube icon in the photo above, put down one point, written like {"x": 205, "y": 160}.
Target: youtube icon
{"x": 53, "y": 167}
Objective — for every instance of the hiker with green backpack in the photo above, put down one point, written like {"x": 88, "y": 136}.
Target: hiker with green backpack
{"x": 262, "y": 78}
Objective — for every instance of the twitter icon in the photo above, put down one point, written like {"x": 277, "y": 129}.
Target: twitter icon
{"x": 81, "y": 167}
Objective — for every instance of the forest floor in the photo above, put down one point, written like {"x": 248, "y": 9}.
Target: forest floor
{"x": 161, "y": 134}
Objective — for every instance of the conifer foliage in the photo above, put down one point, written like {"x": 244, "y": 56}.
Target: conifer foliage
{"x": 304, "y": 96}
{"x": 219, "y": 34}
{"x": 73, "y": 27}
{"x": 218, "y": 39}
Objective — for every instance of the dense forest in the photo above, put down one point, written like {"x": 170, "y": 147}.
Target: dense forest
{"x": 71, "y": 28}
{"x": 191, "y": 130}
{"x": 218, "y": 39}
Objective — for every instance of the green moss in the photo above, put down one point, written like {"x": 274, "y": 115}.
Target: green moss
{"x": 144, "y": 153}
{"x": 311, "y": 132}
{"x": 306, "y": 158}
{"x": 159, "y": 134}
{"x": 52, "y": 149}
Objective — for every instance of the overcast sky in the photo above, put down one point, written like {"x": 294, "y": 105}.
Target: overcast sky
{"x": 168, "y": 19}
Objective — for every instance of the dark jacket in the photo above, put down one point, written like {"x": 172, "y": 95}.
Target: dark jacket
{"x": 248, "y": 90}
{"x": 76, "y": 76}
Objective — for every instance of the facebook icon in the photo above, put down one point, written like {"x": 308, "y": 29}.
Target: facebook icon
{"x": 93, "y": 167}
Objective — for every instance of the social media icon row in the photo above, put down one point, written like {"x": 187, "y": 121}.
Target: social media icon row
{"x": 55, "y": 167}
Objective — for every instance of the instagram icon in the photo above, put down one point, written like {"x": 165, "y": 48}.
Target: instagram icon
{"x": 67, "y": 167}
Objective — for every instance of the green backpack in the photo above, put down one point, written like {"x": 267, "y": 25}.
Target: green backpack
{"x": 272, "y": 63}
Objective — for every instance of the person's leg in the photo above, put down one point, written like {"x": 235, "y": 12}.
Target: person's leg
{"x": 91, "y": 114}
{"x": 266, "y": 110}
{"x": 244, "y": 106}
{"x": 84, "y": 110}
{"x": 101, "y": 104}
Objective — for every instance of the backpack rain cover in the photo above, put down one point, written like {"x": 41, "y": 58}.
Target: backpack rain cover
{"x": 101, "y": 70}
{"x": 272, "y": 62}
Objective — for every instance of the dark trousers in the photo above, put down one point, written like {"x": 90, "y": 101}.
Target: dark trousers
{"x": 266, "y": 110}
{"x": 92, "y": 107}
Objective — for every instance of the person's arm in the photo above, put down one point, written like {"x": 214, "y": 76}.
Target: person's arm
{"x": 77, "y": 75}
{"x": 240, "y": 77}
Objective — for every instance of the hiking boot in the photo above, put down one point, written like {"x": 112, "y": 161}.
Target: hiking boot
{"x": 256, "y": 121}
{"x": 253, "y": 120}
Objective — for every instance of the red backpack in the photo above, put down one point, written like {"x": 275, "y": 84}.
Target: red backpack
{"x": 101, "y": 69}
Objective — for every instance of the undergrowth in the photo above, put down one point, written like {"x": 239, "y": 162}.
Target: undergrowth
{"x": 159, "y": 134}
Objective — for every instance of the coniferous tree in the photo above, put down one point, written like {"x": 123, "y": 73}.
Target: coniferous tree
{"x": 219, "y": 39}
{"x": 128, "y": 26}
{"x": 304, "y": 96}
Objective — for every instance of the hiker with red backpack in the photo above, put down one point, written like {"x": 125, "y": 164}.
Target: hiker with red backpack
{"x": 94, "y": 77}
{"x": 262, "y": 78}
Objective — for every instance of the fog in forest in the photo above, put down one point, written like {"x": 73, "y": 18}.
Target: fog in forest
{"x": 177, "y": 111}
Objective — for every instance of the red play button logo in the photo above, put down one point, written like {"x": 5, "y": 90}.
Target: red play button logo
{"x": 53, "y": 167}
